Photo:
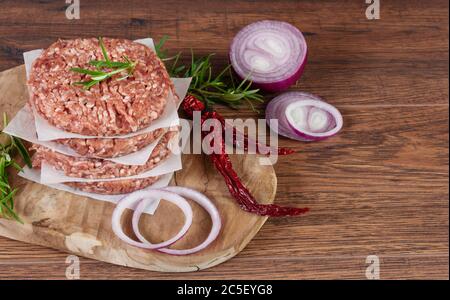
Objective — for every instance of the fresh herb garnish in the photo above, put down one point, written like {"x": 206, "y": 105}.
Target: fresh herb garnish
{"x": 8, "y": 145}
{"x": 104, "y": 69}
{"x": 221, "y": 88}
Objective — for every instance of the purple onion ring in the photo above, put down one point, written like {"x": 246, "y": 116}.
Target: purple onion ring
{"x": 304, "y": 117}
{"x": 272, "y": 54}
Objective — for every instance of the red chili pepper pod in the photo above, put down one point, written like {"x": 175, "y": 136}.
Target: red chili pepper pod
{"x": 223, "y": 164}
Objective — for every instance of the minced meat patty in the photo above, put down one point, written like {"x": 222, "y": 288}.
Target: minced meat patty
{"x": 112, "y": 107}
{"x": 114, "y": 187}
{"x": 112, "y": 147}
{"x": 96, "y": 168}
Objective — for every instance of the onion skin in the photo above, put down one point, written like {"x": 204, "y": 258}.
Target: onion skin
{"x": 272, "y": 80}
{"x": 276, "y": 109}
{"x": 282, "y": 85}
{"x": 308, "y": 138}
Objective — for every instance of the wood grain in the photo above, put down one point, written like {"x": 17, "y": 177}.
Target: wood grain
{"x": 378, "y": 188}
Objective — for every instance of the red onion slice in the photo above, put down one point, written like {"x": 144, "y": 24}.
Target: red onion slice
{"x": 204, "y": 202}
{"x": 144, "y": 197}
{"x": 304, "y": 117}
{"x": 272, "y": 53}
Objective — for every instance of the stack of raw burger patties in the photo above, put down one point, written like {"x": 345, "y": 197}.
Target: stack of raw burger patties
{"x": 107, "y": 111}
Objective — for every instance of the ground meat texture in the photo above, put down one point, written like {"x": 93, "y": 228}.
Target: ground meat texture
{"x": 109, "y": 108}
{"x": 96, "y": 168}
{"x": 114, "y": 187}
{"x": 112, "y": 147}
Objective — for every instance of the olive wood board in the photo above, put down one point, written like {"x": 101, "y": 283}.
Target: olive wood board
{"x": 82, "y": 226}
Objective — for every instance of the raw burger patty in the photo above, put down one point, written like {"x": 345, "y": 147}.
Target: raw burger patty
{"x": 96, "y": 168}
{"x": 114, "y": 187}
{"x": 112, "y": 147}
{"x": 110, "y": 108}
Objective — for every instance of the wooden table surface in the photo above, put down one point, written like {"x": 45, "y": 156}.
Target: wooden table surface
{"x": 378, "y": 188}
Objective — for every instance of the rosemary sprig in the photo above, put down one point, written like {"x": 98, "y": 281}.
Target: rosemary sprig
{"x": 9, "y": 144}
{"x": 162, "y": 54}
{"x": 104, "y": 69}
{"x": 209, "y": 88}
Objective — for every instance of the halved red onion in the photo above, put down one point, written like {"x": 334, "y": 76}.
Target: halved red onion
{"x": 144, "y": 197}
{"x": 304, "y": 116}
{"x": 204, "y": 202}
{"x": 271, "y": 53}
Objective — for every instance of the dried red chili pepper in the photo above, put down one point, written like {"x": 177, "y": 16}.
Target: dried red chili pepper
{"x": 223, "y": 164}
{"x": 246, "y": 141}
{"x": 191, "y": 104}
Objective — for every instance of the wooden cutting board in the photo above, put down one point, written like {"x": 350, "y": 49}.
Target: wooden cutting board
{"x": 82, "y": 226}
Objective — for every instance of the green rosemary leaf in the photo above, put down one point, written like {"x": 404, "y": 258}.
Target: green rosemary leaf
{"x": 80, "y": 83}
{"x": 2, "y": 166}
{"x": 5, "y": 120}
{"x": 87, "y": 72}
{"x": 22, "y": 151}
{"x": 100, "y": 74}
{"x": 161, "y": 54}
{"x": 3, "y": 193}
{"x": 246, "y": 79}
{"x": 7, "y": 210}
{"x": 4, "y": 185}
{"x": 101, "y": 77}
{"x": 88, "y": 84}
{"x": 100, "y": 64}
{"x": 16, "y": 166}
{"x": 127, "y": 60}
{"x": 209, "y": 88}
{"x": 9, "y": 199}
{"x": 178, "y": 69}
{"x": 6, "y": 160}
{"x": 102, "y": 46}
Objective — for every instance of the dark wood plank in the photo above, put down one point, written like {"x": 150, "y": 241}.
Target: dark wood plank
{"x": 378, "y": 188}
{"x": 352, "y": 60}
{"x": 351, "y": 267}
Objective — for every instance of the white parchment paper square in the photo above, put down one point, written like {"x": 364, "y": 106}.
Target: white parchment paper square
{"x": 49, "y": 175}
{"x": 23, "y": 126}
